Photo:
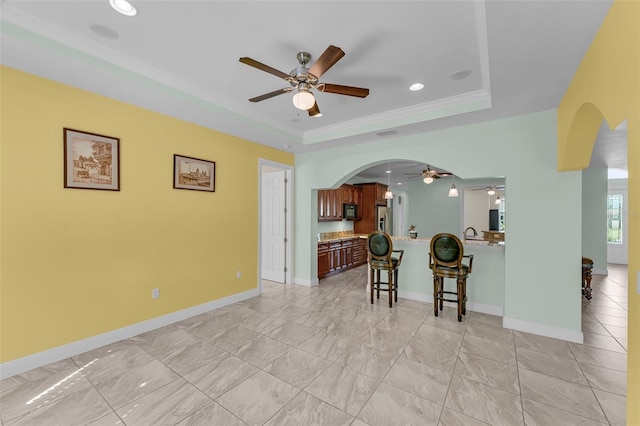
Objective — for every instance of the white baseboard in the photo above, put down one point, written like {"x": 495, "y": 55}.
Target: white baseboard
{"x": 471, "y": 306}
{"x": 412, "y": 295}
{"x": 485, "y": 309}
{"x": 29, "y": 362}
{"x": 543, "y": 330}
{"x": 307, "y": 283}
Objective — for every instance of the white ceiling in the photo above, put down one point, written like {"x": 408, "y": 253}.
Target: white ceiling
{"x": 181, "y": 58}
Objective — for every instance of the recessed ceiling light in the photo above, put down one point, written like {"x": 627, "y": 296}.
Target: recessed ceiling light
{"x": 103, "y": 31}
{"x": 124, "y": 7}
{"x": 388, "y": 171}
{"x": 399, "y": 183}
{"x": 416, "y": 86}
{"x": 460, "y": 75}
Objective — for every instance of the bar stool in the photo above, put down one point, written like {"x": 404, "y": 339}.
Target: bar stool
{"x": 587, "y": 266}
{"x": 445, "y": 261}
{"x": 381, "y": 258}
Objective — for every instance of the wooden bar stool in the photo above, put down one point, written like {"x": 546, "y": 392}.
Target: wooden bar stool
{"x": 445, "y": 261}
{"x": 587, "y": 266}
{"x": 380, "y": 259}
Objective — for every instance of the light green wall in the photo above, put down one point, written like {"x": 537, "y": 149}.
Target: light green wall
{"x": 431, "y": 209}
{"x": 594, "y": 216}
{"x": 540, "y": 283}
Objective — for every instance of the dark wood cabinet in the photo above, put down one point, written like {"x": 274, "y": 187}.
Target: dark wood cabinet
{"x": 339, "y": 256}
{"x": 359, "y": 251}
{"x": 372, "y": 197}
{"x": 335, "y": 257}
{"x": 323, "y": 259}
{"x": 330, "y": 201}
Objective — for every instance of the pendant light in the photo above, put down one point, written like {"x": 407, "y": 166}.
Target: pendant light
{"x": 498, "y": 200}
{"x": 388, "y": 195}
{"x": 453, "y": 191}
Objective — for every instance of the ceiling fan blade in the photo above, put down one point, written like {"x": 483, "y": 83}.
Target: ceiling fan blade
{"x": 263, "y": 67}
{"x": 270, "y": 95}
{"x": 314, "y": 111}
{"x": 358, "y": 92}
{"x": 328, "y": 59}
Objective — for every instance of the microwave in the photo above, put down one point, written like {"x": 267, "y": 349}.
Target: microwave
{"x": 349, "y": 211}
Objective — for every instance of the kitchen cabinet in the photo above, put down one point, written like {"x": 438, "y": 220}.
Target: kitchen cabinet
{"x": 330, "y": 201}
{"x": 323, "y": 259}
{"x": 372, "y": 197}
{"x": 359, "y": 252}
{"x": 338, "y": 256}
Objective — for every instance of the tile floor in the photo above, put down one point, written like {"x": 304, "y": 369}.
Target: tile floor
{"x": 324, "y": 355}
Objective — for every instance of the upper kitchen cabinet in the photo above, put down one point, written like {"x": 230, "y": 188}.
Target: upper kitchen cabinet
{"x": 372, "y": 197}
{"x": 331, "y": 201}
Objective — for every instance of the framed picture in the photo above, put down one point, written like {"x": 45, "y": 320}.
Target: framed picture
{"x": 195, "y": 174}
{"x": 91, "y": 161}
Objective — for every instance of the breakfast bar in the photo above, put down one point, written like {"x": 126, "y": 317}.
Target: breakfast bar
{"x": 485, "y": 285}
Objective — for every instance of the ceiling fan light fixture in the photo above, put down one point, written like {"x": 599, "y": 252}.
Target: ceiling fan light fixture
{"x": 303, "y": 99}
{"x": 491, "y": 192}
{"x": 428, "y": 180}
{"x": 123, "y": 7}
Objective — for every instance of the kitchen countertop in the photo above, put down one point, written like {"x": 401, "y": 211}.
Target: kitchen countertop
{"x": 477, "y": 242}
{"x": 349, "y": 237}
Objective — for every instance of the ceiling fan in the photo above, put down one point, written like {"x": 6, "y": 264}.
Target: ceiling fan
{"x": 429, "y": 175}
{"x": 491, "y": 189}
{"x": 303, "y": 80}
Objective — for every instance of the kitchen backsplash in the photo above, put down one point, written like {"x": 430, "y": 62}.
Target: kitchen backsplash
{"x": 336, "y": 234}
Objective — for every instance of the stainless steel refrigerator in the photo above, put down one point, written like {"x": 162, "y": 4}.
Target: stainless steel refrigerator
{"x": 383, "y": 219}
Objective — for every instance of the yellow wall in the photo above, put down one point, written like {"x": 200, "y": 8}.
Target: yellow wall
{"x": 607, "y": 85}
{"x": 77, "y": 263}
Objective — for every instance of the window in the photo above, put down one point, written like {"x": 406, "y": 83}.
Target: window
{"x": 614, "y": 219}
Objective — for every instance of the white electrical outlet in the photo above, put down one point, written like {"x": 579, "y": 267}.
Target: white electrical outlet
{"x": 155, "y": 293}
{"x": 238, "y": 274}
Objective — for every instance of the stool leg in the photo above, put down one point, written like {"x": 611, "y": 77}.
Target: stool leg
{"x": 371, "y": 285}
{"x": 459, "y": 297}
{"x": 390, "y": 288}
{"x": 395, "y": 284}
{"x": 464, "y": 296}
{"x": 436, "y": 293}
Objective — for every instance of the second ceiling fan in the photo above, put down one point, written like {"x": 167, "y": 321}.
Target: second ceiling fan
{"x": 429, "y": 175}
{"x": 303, "y": 80}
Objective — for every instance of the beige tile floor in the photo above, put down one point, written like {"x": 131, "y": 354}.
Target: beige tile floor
{"x": 305, "y": 356}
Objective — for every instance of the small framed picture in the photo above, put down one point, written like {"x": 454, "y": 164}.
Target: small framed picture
{"x": 91, "y": 161}
{"x": 193, "y": 173}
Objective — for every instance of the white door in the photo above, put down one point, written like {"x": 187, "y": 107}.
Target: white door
{"x": 617, "y": 226}
{"x": 273, "y": 226}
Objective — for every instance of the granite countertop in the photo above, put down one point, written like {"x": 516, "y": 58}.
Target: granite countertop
{"x": 469, "y": 242}
{"x": 347, "y": 237}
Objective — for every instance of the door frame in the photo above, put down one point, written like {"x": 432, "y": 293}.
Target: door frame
{"x": 288, "y": 169}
